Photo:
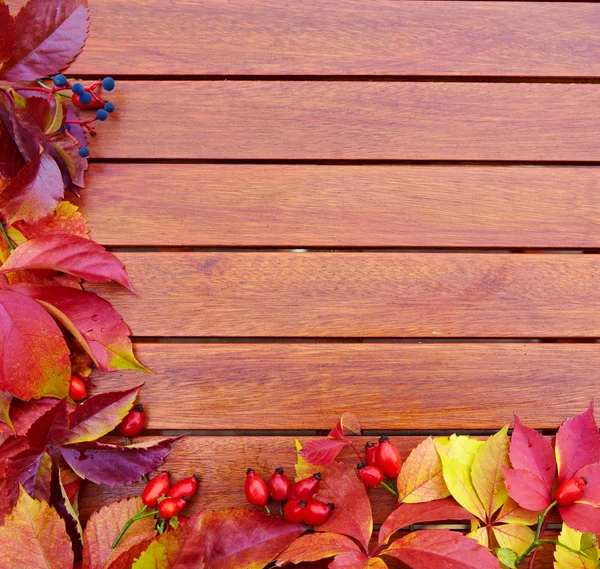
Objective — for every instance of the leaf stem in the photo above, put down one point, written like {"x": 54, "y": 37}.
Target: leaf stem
{"x": 267, "y": 509}
{"x": 558, "y": 543}
{"x": 389, "y": 488}
{"x": 6, "y": 237}
{"x": 141, "y": 514}
{"x": 540, "y": 526}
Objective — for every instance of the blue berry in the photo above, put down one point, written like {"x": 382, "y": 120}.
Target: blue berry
{"x": 60, "y": 80}
{"x": 77, "y": 88}
{"x": 108, "y": 83}
{"x": 68, "y": 127}
{"x": 109, "y": 107}
{"x": 85, "y": 99}
{"x": 101, "y": 115}
{"x": 84, "y": 152}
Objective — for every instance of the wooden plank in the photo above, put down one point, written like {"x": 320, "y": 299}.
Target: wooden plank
{"x": 307, "y": 120}
{"x": 342, "y": 37}
{"x": 360, "y": 294}
{"x": 431, "y": 386}
{"x": 258, "y": 205}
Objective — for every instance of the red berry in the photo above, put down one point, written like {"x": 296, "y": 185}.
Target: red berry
{"x": 279, "y": 485}
{"x": 370, "y": 451}
{"x": 157, "y": 487}
{"x": 307, "y": 488}
{"x": 370, "y": 474}
{"x": 294, "y": 511}
{"x": 388, "y": 458}
{"x": 133, "y": 422}
{"x": 317, "y": 512}
{"x": 570, "y": 491}
{"x": 255, "y": 489}
{"x": 92, "y": 105}
{"x": 170, "y": 507}
{"x": 186, "y": 487}
{"x": 77, "y": 389}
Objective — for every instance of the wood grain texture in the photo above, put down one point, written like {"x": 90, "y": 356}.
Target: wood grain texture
{"x": 342, "y": 37}
{"x": 358, "y": 294}
{"x": 307, "y": 120}
{"x": 342, "y": 206}
{"x": 390, "y": 386}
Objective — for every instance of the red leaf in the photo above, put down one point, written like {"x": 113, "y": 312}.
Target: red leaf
{"x": 531, "y": 451}
{"x": 24, "y": 413}
{"x": 64, "y": 220}
{"x": 7, "y": 34}
{"x": 591, "y": 491}
{"x": 11, "y": 160}
{"x": 50, "y": 428}
{"x": 115, "y": 465}
{"x": 322, "y": 452}
{"x": 582, "y": 517}
{"x": 577, "y": 444}
{"x": 347, "y": 422}
{"x": 49, "y": 36}
{"x": 350, "y": 560}
{"x": 95, "y": 324}
{"x": 527, "y": 489}
{"x": 74, "y": 255}
{"x": 34, "y": 192}
{"x": 316, "y": 546}
{"x": 442, "y": 549}
{"x": 33, "y": 112}
{"x": 409, "y": 514}
{"x": 352, "y": 515}
{"x": 33, "y": 352}
{"x": 65, "y": 151}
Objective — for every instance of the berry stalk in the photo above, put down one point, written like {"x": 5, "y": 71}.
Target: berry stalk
{"x": 140, "y": 515}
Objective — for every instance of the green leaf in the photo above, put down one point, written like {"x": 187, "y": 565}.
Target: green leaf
{"x": 507, "y": 557}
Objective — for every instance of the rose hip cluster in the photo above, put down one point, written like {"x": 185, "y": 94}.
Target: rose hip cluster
{"x": 300, "y": 502}
{"x": 381, "y": 461}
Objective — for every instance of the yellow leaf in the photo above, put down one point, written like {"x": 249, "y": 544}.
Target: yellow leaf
{"x": 487, "y": 474}
{"x": 480, "y": 535}
{"x": 514, "y": 536}
{"x": 565, "y": 559}
{"x": 303, "y": 468}
{"x": 377, "y": 563}
{"x": 457, "y": 476}
{"x": 461, "y": 448}
{"x": 512, "y": 513}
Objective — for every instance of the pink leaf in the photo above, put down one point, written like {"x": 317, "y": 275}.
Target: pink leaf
{"x": 409, "y": 514}
{"x": 442, "y": 549}
{"x": 577, "y": 444}
{"x": 74, "y": 255}
{"x": 322, "y": 452}
{"x": 316, "y": 546}
{"x": 350, "y": 560}
{"x": 49, "y": 36}
{"x": 529, "y": 450}
{"x": 527, "y": 489}
{"x": 591, "y": 491}
{"x": 582, "y": 517}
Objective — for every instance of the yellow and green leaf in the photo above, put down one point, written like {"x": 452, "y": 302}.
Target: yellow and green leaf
{"x": 514, "y": 536}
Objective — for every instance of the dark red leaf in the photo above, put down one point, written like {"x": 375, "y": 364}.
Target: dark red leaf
{"x": 11, "y": 159}
{"x": 316, "y": 546}
{"x": 50, "y": 428}
{"x": 34, "y": 112}
{"x": 7, "y": 34}
{"x": 49, "y": 36}
{"x": 66, "y": 153}
{"x": 527, "y": 489}
{"x": 322, "y": 452}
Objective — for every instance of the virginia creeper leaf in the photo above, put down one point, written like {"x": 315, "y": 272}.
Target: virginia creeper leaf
{"x": 59, "y": 107}
{"x": 7, "y": 34}
{"x": 34, "y": 536}
{"x": 65, "y": 220}
{"x": 487, "y": 474}
{"x": 163, "y": 552}
{"x": 480, "y": 535}
{"x": 461, "y": 448}
{"x": 33, "y": 354}
{"x": 34, "y": 192}
{"x": 92, "y": 320}
{"x": 591, "y": 491}
{"x": 5, "y": 401}
{"x": 442, "y": 549}
{"x": 347, "y": 422}
{"x": 98, "y": 415}
{"x": 514, "y": 536}
{"x": 115, "y": 465}
{"x": 11, "y": 159}
{"x": 421, "y": 478}
{"x": 103, "y": 528}
{"x": 316, "y": 546}
{"x": 77, "y": 131}
{"x": 303, "y": 468}
{"x": 527, "y": 489}
{"x": 322, "y": 452}
{"x": 34, "y": 113}
{"x": 32, "y": 470}
{"x": 565, "y": 559}
{"x": 582, "y": 517}
{"x": 49, "y": 36}
{"x": 66, "y": 153}
{"x": 512, "y": 513}
{"x": 74, "y": 255}
{"x": 409, "y": 514}
{"x": 350, "y": 560}
{"x": 352, "y": 515}
{"x": 507, "y": 557}
{"x": 577, "y": 444}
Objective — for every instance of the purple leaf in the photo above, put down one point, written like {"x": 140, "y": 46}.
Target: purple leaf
{"x": 322, "y": 452}
{"x": 11, "y": 160}
{"x": 527, "y": 489}
{"x": 115, "y": 465}
{"x": 32, "y": 470}
{"x": 77, "y": 131}
{"x": 61, "y": 503}
{"x": 50, "y": 428}
{"x": 7, "y": 34}
{"x": 34, "y": 113}
{"x": 66, "y": 153}
{"x": 577, "y": 444}
{"x": 49, "y": 35}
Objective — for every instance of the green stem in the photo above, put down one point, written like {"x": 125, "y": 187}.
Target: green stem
{"x": 537, "y": 541}
{"x": 140, "y": 515}
{"x": 389, "y": 488}
{"x": 6, "y": 237}
{"x": 558, "y": 543}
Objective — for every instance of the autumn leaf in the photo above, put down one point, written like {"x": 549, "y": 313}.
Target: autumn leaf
{"x": 582, "y": 517}
{"x": 573, "y": 539}
{"x": 65, "y": 503}
{"x": 316, "y": 546}
{"x": 487, "y": 474}
{"x": 103, "y": 528}
{"x": 442, "y": 549}
{"x": 527, "y": 489}
{"x": 408, "y": 514}
{"x": 163, "y": 552}
{"x": 49, "y": 34}
{"x": 303, "y": 468}
{"x": 34, "y": 113}
{"x": 34, "y": 355}
{"x": 511, "y": 512}
{"x": 95, "y": 324}
{"x": 7, "y": 34}
{"x": 347, "y": 422}
{"x": 5, "y": 401}
{"x": 461, "y": 448}
{"x": 65, "y": 220}
{"x": 73, "y": 255}
{"x": 352, "y": 560}
{"x": 421, "y": 478}
{"x": 34, "y": 536}
{"x": 324, "y": 451}
{"x": 11, "y": 159}
{"x": 352, "y": 515}
{"x": 514, "y": 536}
{"x": 34, "y": 192}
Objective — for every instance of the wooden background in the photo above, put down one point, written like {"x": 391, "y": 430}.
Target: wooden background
{"x": 331, "y": 205}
